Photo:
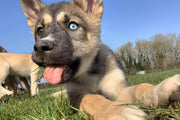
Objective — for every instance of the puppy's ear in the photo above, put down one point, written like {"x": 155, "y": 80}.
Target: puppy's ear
{"x": 94, "y": 7}
{"x": 31, "y": 9}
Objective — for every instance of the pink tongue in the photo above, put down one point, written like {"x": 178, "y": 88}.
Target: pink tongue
{"x": 53, "y": 74}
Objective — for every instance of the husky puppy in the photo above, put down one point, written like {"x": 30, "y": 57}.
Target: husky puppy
{"x": 68, "y": 44}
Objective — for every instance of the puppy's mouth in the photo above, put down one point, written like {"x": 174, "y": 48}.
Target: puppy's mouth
{"x": 56, "y": 74}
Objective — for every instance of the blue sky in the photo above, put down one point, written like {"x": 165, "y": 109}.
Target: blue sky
{"x": 123, "y": 21}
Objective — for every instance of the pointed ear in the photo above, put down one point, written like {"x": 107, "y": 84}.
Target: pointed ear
{"x": 94, "y": 7}
{"x": 31, "y": 9}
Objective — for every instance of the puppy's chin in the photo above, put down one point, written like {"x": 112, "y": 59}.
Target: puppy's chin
{"x": 37, "y": 59}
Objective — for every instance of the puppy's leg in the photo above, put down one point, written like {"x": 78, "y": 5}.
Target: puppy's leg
{"x": 25, "y": 81}
{"x": 3, "y": 75}
{"x": 34, "y": 85}
{"x": 169, "y": 89}
{"x": 103, "y": 109}
{"x": 11, "y": 84}
{"x": 150, "y": 94}
{"x": 161, "y": 93}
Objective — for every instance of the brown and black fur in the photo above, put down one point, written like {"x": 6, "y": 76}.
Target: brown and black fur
{"x": 92, "y": 76}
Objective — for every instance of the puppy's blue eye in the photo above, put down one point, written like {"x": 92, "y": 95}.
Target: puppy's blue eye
{"x": 73, "y": 26}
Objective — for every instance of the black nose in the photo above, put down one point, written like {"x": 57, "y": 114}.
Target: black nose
{"x": 43, "y": 46}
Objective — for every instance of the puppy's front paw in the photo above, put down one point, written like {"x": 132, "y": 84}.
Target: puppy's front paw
{"x": 169, "y": 89}
{"x": 173, "y": 88}
{"x": 4, "y": 92}
{"x": 175, "y": 96}
{"x": 130, "y": 113}
{"x": 121, "y": 112}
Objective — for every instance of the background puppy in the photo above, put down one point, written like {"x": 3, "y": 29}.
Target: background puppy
{"x": 67, "y": 42}
{"x": 12, "y": 82}
{"x": 20, "y": 65}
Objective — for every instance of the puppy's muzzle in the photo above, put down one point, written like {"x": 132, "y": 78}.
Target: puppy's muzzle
{"x": 47, "y": 52}
{"x": 42, "y": 52}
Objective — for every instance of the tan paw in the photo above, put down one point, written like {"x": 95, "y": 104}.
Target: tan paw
{"x": 130, "y": 113}
{"x": 4, "y": 92}
{"x": 169, "y": 89}
{"x": 172, "y": 87}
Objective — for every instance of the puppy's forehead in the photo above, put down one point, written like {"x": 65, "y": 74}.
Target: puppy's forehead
{"x": 61, "y": 12}
{"x": 47, "y": 18}
{"x": 60, "y": 16}
{"x": 56, "y": 12}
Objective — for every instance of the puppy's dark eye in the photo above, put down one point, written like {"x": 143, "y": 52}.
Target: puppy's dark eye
{"x": 40, "y": 30}
{"x": 73, "y": 26}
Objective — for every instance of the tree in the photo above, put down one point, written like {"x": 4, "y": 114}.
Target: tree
{"x": 160, "y": 52}
{"x": 125, "y": 55}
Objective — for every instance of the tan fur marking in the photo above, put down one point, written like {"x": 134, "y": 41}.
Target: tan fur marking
{"x": 110, "y": 82}
{"x": 47, "y": 18}
{"x": 60, "y": 16}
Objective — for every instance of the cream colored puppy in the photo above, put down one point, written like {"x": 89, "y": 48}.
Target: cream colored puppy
{"x": 18, "y": 65}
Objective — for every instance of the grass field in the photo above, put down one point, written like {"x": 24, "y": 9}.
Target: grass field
{"x": 46, "y": 107}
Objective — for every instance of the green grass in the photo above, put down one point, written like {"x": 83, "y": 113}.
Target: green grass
{"x": 153, "y": 78}
{"x": 39, "y": 107}
{"x": 46, "y": 107}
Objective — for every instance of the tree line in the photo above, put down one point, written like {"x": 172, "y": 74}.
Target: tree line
{"x": 160, "y": 52}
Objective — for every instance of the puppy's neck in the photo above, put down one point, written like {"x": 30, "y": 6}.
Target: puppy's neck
{"x": 86, "y": 62}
